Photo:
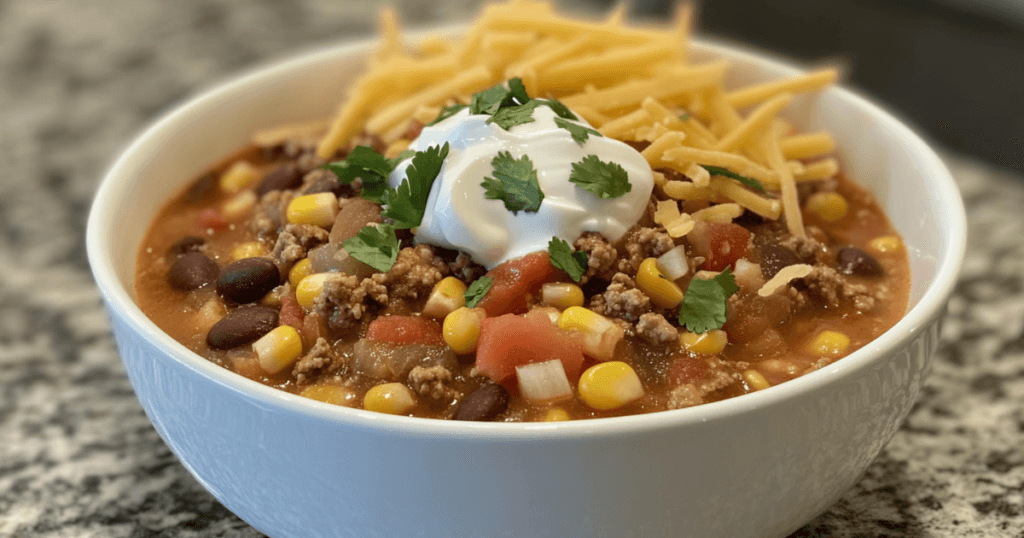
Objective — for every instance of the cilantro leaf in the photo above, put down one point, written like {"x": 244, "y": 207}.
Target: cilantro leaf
{"x": 515, "y": 115}
{"x": 580, "y": 133}
{"x": 517, "y": 91}
{"x": 476, "y": 291}
{"x": 514, "y": 183}
{"x": 401, "y": 157}
{"x": 489, "y": 100}
{"x": 752, "y": 183}
{"x": 704, "y": 303}
{"x": 605, "y": 179}
{"x": 447, "y": 112}
{"x": 684, "y": 116}
{"x": 563, "y": 257}
{"x": 364, "y": 163}
{"x": 376, "y": 246}
{"x": 407, "y": 203}
{"x": 561, "y": 110}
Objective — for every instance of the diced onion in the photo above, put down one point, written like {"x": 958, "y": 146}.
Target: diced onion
{"x": 543, "y": 381}
{"x": 673, "y": 263}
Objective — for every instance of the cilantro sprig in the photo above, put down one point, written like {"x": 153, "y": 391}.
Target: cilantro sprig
{"x": 563, "y": 257}
{"x": 407, "y": 203}
{"x": 448, "y": 112}
{"x": 704, "y": 303}
{"x": 364, "y": 162}
{"x": 514, "y": 183}
{"x": 752, "y": 183}
{"x": 477, "y": 290}
{"x": 580, "y": 133}
{"x": 605, "y": 179}
{"x": 376, "y": 246}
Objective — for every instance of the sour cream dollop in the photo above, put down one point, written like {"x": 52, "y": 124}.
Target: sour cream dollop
{"x": 458, "y": 216}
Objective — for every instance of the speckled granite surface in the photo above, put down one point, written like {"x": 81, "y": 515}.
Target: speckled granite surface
{"x": 78, "y": 458}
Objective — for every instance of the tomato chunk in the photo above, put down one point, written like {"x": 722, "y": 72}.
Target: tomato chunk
{"x": 404, "y": 330}
{"x": 510, "y": 340}
{"x": 722, "y": 245}
{"x": 513, "y": 280}
{"x": 211, "y": 218}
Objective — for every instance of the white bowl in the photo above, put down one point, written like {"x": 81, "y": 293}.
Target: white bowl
{"x": 757, "y": 465}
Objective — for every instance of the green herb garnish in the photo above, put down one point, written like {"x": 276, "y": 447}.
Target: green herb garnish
{"x": 563, "y": 257}
{"x": 580, "y": 133}
{"x": 605, "y": 179}
{"x": 476, "y": 291}
{"x": 704, "y": 303}
{"x": 561, "y": 110}
{"x": 514, "y": 183}
{"x": 752, "y": 183}
{"x": 365, "y": 163}
{"x": 407, "y": 203}
{"x": 515, "y": 115}
{"x": 448, "y": 112}
{"x": 376, "y": 246}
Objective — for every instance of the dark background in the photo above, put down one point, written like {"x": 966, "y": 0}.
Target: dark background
{"x": 952, "y": 68}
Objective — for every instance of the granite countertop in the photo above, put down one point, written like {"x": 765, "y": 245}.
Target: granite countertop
{"x": 79, "y": 458}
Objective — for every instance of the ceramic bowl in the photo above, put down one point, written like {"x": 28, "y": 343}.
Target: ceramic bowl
{"x": 758, "y": 465}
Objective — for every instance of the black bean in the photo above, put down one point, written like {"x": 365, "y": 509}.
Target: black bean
{"x": 242, "y": 326}
{"x": 191, "y": 271}
{"x": 284, "y": 178}
{"x": 202, "y": 190}
{"x": 248, "y": 279}
{"x": 854, "y": 261}
{"x": 483, "y": 404}
{"x": 774, "y": 258}
{"x": 189, "y": 243}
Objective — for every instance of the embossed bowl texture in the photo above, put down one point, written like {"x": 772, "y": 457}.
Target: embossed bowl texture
{"x": 758, "y": 465}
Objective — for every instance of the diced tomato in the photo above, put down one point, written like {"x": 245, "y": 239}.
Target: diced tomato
{"x": 687, "y": 369}
{"x": 511, "y": 340}
{"x": 405, "y": 330}
{"x": 513, "y": 280}
{"x": 291, "y": 312}
{"x": 211, "y": 218}
{"x": 726, "y": 243}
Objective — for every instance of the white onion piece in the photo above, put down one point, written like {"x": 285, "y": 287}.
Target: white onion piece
{"x": 748, "y": 275}
{"x": 543, "y": 381}
{"x": 673, "y": 263}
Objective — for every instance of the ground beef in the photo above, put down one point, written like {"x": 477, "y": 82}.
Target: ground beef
{"x": 656, "y": 329}
{"x": 807, "y": 248}
{"x": 318, "y": 358}
{"x": 295, "y": 241}
{"x": 434, "y": 382}
{"x": 721, "y": 376}
{"x": 832, "y": 288}
{"x": 601, "y": 255}
{"x": 684, "y": 396}
{"x": 414, "y": 274}
{"x": 341, "y": 303}
{"x": 269, "y": 214}
{"x": 621, "y": 300}
{"x": 644, "y": 243}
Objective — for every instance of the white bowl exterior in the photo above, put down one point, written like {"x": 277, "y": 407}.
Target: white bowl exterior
{"x": 758, "y": 465}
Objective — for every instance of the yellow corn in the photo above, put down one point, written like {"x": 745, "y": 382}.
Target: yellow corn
{"x": 249, "y": 249}
{"x": 662, "y": 291}
{"x": 447, "y": 296}
{"x": 886, "y": 243}
{"x": 309, "y": 287}
{"x": 600, "y": 334}
{"x": 561, "y": 295}
{"x": 829, "y": 343}
{"x": 390, "y": 398}
{"x": 332, "y": 394}
{"x": 709, "y": 343}
{"x": 610, "y": 385}
{"x": 300, "y": 270}
{"x": 755, "y": 380}
{"x": 461, "y": 329}
{"x": 238, "y": 206}
{"x": 239, "y": 176}
{"x": 317, "y": 209}
{"x": 278, "y": 349}
{"x": 556, "y": 414}
{"x": 830, "y": 206}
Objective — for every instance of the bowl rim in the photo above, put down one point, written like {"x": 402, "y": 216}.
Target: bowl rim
{"x": 120, "y": 303}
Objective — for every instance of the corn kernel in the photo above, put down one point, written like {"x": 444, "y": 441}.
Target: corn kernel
{"x": 278, "y": 349}
{"x": 829, "y": 343}
{"x": 610, "y": 385}
{"x": 556, "y": 414}
{"x": 238, "y": 206}
{"x": 309, "y": 288}
{"x": 300, "y": 270}
{"x": 830, "y": 206}
{"x": 755, "y": 380}
{"x": 461, "y": 329}
{"x": 662, "y": 291}
{"x": 249, "y": 249}
{"x": 238, "y": 177}
{"x": 886, "y": 243}
{"x": 600, "y": 335}
{"x": 390, "y": 398}
{"x": 709, "y": 343}
{"x": 332, "y": 394}
{"x": 318, "y": 209}
{"x": 561, "y": 295}
{"x": 447, "y": 296}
